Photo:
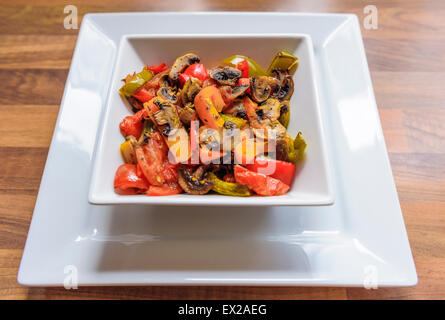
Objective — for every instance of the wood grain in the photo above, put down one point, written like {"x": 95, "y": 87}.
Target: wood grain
{"x": 407, "y": 61}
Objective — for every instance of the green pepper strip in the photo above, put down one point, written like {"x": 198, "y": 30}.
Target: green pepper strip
{"x": 135, "y": 83}
{"x": 283, "y": 61}
{"x": 296, "y": 148}
{"x": 239, "y": 122}
{"x": 254, "y": 68}
{"x": 228, "y": 188}
{"x": 300, "y": 146}
{"x": 285, "y": 118}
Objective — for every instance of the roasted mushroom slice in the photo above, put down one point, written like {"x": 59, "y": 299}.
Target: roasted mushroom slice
{"x": 237, "y": 109}
{"x": 190, "y": 90}
{"x": 159, "y": 80}
{"x": 225, "y": 75}
{"x": 279, "y": 74}
{"x": 282, "y": 146}
{"x": 271, "y": 109}
{"x": 187, "y": 113}
{"x": 209, "y": 138}
{"x": 181, "y": 63}
{"x": 262, "y": 87}
{"x": 166, "y": 117}
{"x": 269, "y": 127}
{"x": 164, "y": 81}
{"x": 284, "y": 108}
{"x": 261, "y": 124}
{"x": 168, "y": 93}
{"x": 230, "y": 93}
{"x": 286, "y": 89}
{"x": 194, "y": 182}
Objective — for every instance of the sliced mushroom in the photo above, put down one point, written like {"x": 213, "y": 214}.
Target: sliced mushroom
{"x": 225, "y": 75}
{"x": 191, "y": 88}
{"x": 230, "y": 93}
{"x": 166, "y": 117}
{"x": 279, "y": 74}
{"x": 159, "y": 80}
{"x": 282, "y": 149}
{"x": 237, "y": 109}
{"x": 262, "y": 87}
{"x": 209, "y": 138}
{"x": 239, "y": 90}
{"x": 267, "y": 127}
{"x": 168, "y": 93}
{"x": 271, "y": 109}
{"x": 181, "y": 63}
{"x": 194, "y": 182}
{"x": 187, "y": 113}
{"x": 284, "y": 107}
{"x": 286, "y": 89}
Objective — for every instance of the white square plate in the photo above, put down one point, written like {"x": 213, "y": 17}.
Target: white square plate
{"x": 359, "y": 240}
{"x": 312, "y": 185}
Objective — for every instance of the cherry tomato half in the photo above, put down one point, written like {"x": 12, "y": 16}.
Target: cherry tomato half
{"x": 127, "y": 178}
{"x": 281, "y": 170}
{"x": 260, "y": 183}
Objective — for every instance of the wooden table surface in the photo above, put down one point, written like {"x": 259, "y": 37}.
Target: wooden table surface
{"x": 406, "y": 56}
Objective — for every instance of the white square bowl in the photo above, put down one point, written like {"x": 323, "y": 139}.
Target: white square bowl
{"x": 359, "y": 240}
{"x": 312, "y": 185}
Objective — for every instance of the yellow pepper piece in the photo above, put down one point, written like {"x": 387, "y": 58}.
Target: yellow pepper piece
{"x": 127, "y": 152}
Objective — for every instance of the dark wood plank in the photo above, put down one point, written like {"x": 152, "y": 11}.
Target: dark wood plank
{"x": 406, "y": 59}
{"x": 419, "y": 176}
{"x": 36, "y": 51}
{"x": 21, "y": 169}
{"x": 32, "y": 86}
{"x": 409, "y": 90}
{"x": 405, "y": 55}
{"x": 27, "y": 125}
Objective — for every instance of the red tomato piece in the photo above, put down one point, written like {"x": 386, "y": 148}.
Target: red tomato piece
{"x": 164, "y": 190}
{"x": 281, "y": 170}
{"x": 127, "y": 178}
{"x": 157, "y": 69}
{"x": 198, "y": 71}
{"x": 260, "y": 183}
{"x": 244, "y": 81}
{"x": 208, "y": 104}
{"x": 243, "y": 66}
{"x": 183, "y": 79}
{"x": 170, "y": 172}
{"x": 229, "y": 178}
{"x": 209, "y": 82}
{"x": 153, "y": 161}
{"x": 143, "y": 95}
{"x": 132, "y": 125}
{"x": 151, "y": 158}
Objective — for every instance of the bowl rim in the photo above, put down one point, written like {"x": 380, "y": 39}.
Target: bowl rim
{"x": 209, "y": 200}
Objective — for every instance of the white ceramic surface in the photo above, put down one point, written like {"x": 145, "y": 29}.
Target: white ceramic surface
{"x": 311, "y": 186}
{"x": 359, "y": 240}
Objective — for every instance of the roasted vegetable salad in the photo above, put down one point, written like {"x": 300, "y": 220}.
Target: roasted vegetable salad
{"x": 203, "y": 130}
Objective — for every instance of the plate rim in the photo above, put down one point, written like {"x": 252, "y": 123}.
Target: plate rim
{"x": 412, "y": 275}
